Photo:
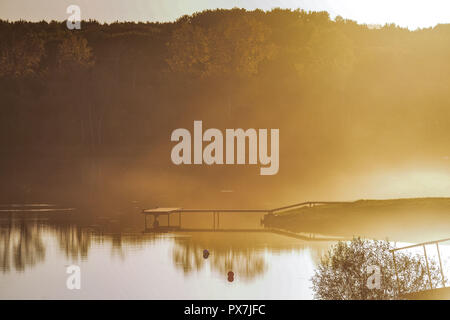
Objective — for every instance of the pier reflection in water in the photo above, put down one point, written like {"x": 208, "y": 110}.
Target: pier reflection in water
{"x": 119, "y": 260}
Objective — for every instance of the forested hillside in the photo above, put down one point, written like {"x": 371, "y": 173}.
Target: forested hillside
{"x": 88, "y": 113}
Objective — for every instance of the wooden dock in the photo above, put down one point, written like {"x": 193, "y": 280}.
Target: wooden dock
{"x": 156, "y": 212}
{"x": 424, "y": 245}
{"x": 432, "y": 294}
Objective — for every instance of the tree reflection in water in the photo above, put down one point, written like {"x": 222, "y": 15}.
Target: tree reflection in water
{"x": 23, "y": 242}
{"x": 227, "y": 252}
{"x": 239, "y": 252}
{"x": 245, "y": 262}
{"x": 23, "y": 245}
{"x": 73, "y": 241}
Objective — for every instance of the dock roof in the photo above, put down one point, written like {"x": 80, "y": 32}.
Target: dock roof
{"x": 161, "y": 210}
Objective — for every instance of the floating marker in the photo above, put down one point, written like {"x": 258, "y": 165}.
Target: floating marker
{"x": 230, "y": 276}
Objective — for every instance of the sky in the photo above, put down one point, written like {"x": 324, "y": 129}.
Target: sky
{"x": 412, "y": 14}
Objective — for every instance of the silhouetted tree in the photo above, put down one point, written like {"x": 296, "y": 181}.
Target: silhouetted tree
{"x": 236, "y": 46}
{"x": 343, "y": 274}
{"x": 74, "y": 54}
{"x": 20, "y": 56}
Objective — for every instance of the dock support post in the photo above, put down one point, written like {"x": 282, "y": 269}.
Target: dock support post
{"x": 428, "y": 268}
{"x": 396, "y": 273}
{"x": 179, "y": 219}
{"x": 145, "y": 221}
{"x": 440, "y": 264}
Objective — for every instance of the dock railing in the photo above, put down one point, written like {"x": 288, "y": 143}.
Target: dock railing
{"x": 423, "y": 244}
{"x": 156, "y": 212}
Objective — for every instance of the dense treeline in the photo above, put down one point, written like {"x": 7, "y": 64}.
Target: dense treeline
{"x": 82, "y": 106}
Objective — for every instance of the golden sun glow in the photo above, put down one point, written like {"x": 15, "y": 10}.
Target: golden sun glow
{"x": 410, "y": 184}
{"x": 406, "y": 13}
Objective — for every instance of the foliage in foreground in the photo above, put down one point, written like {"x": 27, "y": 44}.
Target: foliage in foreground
{"x": 346, "y": 271}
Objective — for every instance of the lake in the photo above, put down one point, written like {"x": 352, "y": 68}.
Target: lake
{"x": 118, "y": 260}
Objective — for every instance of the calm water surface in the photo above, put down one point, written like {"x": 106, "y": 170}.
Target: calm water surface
{"x": 120, "y": 261}
{"x": 126, "y": 263}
